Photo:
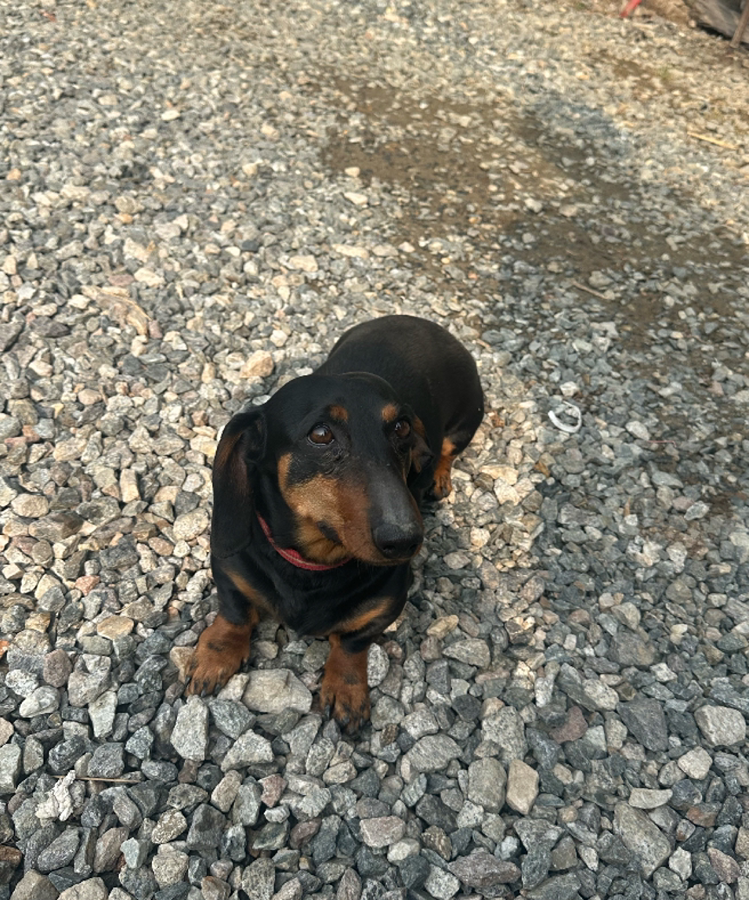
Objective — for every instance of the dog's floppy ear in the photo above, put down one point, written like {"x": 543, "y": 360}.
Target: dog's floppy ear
{"x": 421, "y": 455}
{"x": 241, "y": 446}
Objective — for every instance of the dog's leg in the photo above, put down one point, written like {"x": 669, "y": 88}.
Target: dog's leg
{"x": 225, "y": 645}
{"x": 442, "y": 481}
{"x": 453, "y": 444}
{"x": 344, "y": 689}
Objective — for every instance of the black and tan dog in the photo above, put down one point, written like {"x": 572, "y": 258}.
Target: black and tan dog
{"x": 316, "y": 499}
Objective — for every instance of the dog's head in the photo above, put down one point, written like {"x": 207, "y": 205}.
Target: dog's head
{"x": 327, "y": 459}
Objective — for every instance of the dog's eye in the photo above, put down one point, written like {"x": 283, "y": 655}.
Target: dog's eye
{"x": 320, "y": 434}
{"x": 402, "y": 428}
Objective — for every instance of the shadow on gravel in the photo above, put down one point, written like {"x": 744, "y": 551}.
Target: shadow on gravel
{"x": 565, "y": 191}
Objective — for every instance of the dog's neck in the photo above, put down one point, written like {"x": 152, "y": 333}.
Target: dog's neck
{"x": 294, "y": 557}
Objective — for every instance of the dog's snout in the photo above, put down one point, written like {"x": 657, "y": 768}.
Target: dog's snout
{"x": 397, "y": 541}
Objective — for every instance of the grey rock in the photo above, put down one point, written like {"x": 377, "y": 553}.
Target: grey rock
{"x": 611, "y": 849}
{"x": 537, "y": 832}
{"x": 311, "y": 805}
{"x": 258, "y": 879}
{"x": 721, "y": 726}
{"x": 169, "y": 827}
{"x": 135, "y": 852}
{"x": 378, "y": 664}
{"x": 319, "y": 756}
{"x": 481, "y": 870}
{"x": 6, "y": 731}
{"x": 487, "y": 780}
{"x": 33, "y": 755}
{"x": 101, "y": 713}
{"x": 272, "y": 836}
{"x": 349, "y": 887}
{"x": 642, "y": 798}
{"x": 42, "y": 701}
{"x": 206, "y": 828}
{"x": 230, "y": 718}
{"x": 90, "y": 681}
{"x": 432, "y": 753}
{"x": 276, "y": 690}
{"x": 726, "y": 867}
{"x": 324, "y": 842}
{"x": 681, "y": 863}
{"x": 440, "y": 884}
{"x": 190, "y": 525}
{"x": 246, "y": 804}
{"x": 248, "y": 749}
{"x": 190, "y": 733}
{"x": 10, "y": 859}
{"x": 186, "y": 796}
{"x": 420, "y": 723}
{"x": 91, "y": 889}
{"x": 414, "y": 870}
{"x": 108, "y": 849}
{"x": 560, "y": 887}
{"x": 414, "y": 791}
{"x": 107, "y": 761}
{"x": 562, "y": 857}
{"x": 213, "y": 888}
{"x": 590, "y": 693}
{"x": 639, "y": 834}
{"x": 21, "y": 682}
{"x": 34, "y": 886}
{"x": 382, "y": 831}
{"x": 60, "y": 852}
{"x": 83, "y": 864}
{"x": 645, "y": 719}
{"x": 506, "y": 729}
{"x": 632, "y": 650}
{"x": 225, "y": 792}
{"x": 121, "y": 556}
{"x": 9, "y": 331}
{"x": 140, "y": 743}
{"x": 536, "y": 864}
{"x": 126, "y": 811}
{"x": 10, "y": 767}
{"x": 293, "y": 889}
{"x": 169, "y": 866}
{"x": 139, "y": 882}
{"x": 386, "y": 711}
{"x": 234, "y": 844}
{"x": 57, "y": 526}
{"x": 473, "y": 651}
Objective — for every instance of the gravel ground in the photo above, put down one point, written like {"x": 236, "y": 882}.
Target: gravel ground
{"x": 197, "y": 200}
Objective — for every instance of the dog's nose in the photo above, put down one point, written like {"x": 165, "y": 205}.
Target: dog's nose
{"x": 397, "y": 542}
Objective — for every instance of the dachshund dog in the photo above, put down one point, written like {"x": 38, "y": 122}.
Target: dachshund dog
{"x": 317, "y": 494}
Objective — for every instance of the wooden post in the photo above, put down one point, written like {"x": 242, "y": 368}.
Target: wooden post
{"x": 739, "y": 33}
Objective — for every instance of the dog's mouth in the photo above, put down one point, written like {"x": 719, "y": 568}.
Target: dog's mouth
{"x": 383, "y": 546}
{"x": 375, "y": 522}
{"x": 329, "y": 533}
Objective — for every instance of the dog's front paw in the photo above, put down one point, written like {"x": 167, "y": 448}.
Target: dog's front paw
{"x": 346, "y": 697}
{"x": 442, "y": 485}
{"x": 442, "y": 480}
{"x": 222, "y": 650}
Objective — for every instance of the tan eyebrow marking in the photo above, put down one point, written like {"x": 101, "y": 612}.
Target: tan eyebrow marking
{"x": 340, "y": 413}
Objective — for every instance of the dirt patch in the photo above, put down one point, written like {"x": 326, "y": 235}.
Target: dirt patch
{"x": 475, "y": 182}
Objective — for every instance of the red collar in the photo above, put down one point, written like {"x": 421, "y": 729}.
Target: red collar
{"x": 296, "y": 558}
